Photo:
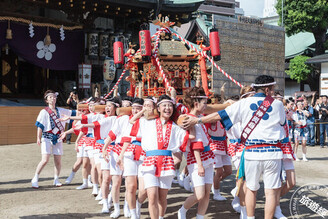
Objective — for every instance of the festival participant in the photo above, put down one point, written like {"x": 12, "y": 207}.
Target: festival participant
{"x": 288, "y": 173}
{"x": 300, "y": 132}
{"x": 235, "y": 150}
{"x": 87, "y": 142}
{"x": 222, "y": 161}
{"x": 101, "y": 129}
{"x": 48, "y": 131}
{"x": 200, "y": 158}
{"x": 160, "y": 138}
{"x": 262, "y": 154}
{"x": 116, "y": 135}
{"x": 131, "y": 157}
{"x": 79, "y": 158}
{"x": 148, "y": 107}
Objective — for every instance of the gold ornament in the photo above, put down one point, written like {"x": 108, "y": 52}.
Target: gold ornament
{"x": 9, "y": 34}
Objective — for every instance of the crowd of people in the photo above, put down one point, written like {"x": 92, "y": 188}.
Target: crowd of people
{"x": 145, "y": 140}
{"x": 308, "y": 122}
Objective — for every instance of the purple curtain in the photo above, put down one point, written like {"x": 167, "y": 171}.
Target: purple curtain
{"x": 59, "y": 55}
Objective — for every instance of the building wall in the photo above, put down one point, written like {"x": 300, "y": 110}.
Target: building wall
{"x": 247, "y": 51}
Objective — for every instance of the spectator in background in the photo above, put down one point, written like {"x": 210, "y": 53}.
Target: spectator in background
{"x": 300, "y": 132}
{"x": 323, "y": 111}
{"x": 309, "y": 121}
{"x": 72, "y": 102}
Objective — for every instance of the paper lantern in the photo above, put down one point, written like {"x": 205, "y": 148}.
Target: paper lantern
{"x": 215, "y": 44}
{"x": 145, "y": 43}
{"x": 109, "y": 69}
{"x": 118, "y": 53}
{"x": 103, "y": 45}
{"x": 93, "y": 41}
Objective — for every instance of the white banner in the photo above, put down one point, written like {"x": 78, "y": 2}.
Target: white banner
{"x": 324, "y": 84}
{"x": 85, "y": 76}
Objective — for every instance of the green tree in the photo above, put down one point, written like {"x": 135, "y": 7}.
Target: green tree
{"x": 306, "y": 16}
{"x": 300, "y": 71}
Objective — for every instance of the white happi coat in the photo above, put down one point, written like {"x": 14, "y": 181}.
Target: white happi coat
{"x": 116, "y": 134}
{"x": 215, "y": 130}
{"x": 270, "y": 129}
{"x": 202, "y": 139}
{"x": 148, "y": 133}
{"x": 45, "y": 123}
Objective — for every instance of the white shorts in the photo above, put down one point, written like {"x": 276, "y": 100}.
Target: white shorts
{"x": 202, "y": 180}
{"x": 90, "y": 153}
{"x": 82, "y": 152}
{"x": 163, "y": 182}
{"x": 288, "y": 164}
{"x": 299, "y": 137}
{"x": 131, "y": 167}
{"x": 270, "y": 169}
{"x": 221, "y": 160}
{"x": 114, "y": 169}
{"x": 104, "y": 164}
{"x": 97, "y": 156}
{"x": 48, "y": 148}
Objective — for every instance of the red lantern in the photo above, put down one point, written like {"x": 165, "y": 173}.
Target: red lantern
{"x": 118, "y": 53}
{"x": 215, "y": 44}
{"x": 145, "y": 43}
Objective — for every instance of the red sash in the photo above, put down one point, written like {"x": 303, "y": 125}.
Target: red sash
{"x": 256, "y": 118}
{"x": 163, "y": 143}
{"x": 55, "y": 118}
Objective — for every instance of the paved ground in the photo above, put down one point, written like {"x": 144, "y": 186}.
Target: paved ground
{"x": 19, "y": 200}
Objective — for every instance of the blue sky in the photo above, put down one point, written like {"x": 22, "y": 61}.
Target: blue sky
{"x": 252, "y": 7}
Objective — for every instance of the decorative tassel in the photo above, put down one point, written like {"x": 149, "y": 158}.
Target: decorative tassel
{"x": 9, "y": 34}
{"x": 31, "y": 29}
{"x": 47, "y": 40}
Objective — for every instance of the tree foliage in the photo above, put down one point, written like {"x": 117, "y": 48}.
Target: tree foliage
{"x": 298, "y": 70}
{"x": 305, "y": 16}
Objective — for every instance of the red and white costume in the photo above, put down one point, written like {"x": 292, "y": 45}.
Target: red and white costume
{"x": 235, "y": 148}
{"x": 159, "y": 139}
{"x": 219, "y": 144}
{"x": 134, "y": 154}
{"x": 90, "y": 140}
{"x": 202, "y": 143}
{"x": 116, "y": 134}
{"x": 100, "y": 131}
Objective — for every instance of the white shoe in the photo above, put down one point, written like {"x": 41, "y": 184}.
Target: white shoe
{"x": 57, "y": 183}
{"x": 236, "y": 204}
{"x": 101, "y": 202}
{"x": 70, "y": 178}
{"x": 126, "y": 210}
{"x": 305, "y": 159}
{"x": 115, "y": 214}
{"x": 98, "y": 197}
{"x": 95, "y": 190}
{"x": 35, "y": 183}
{"x": 105, "y": 209}
{"x": 297, "y": 159}
{"x": 219, "y": 197}
{"x": 181, "y": 215}
{"x": 278, "y": 214}
{"x": 83, "y": 186}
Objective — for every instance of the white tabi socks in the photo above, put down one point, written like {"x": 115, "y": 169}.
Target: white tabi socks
{"x": 70, "y": 178}
{"x": 56, "y": 181}
{"x": 116, "y": 212}
{"x": 35, "y": 181}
